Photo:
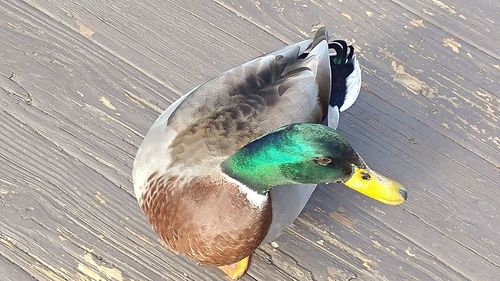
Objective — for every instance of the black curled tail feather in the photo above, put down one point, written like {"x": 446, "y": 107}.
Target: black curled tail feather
{"x": 343, "y": 64}
{"x": 344, "y": 68}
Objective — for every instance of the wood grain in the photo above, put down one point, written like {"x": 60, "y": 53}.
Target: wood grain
{"x": 81, "y": 82}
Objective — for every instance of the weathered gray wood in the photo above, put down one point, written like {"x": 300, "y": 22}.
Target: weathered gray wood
{"x": 82, "y": 81}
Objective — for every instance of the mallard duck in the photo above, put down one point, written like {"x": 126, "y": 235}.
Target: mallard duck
{"x": 232, "y": 163}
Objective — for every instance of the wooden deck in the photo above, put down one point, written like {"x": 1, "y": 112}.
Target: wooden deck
{"x": 82, "y": 81}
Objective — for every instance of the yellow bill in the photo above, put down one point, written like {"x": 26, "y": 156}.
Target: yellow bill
{"x": 376, "y": 186}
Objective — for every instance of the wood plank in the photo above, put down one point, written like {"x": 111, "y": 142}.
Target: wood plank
{"x": 202, "y": 47}
{"x": 67, "y": 157}
{"x": 82, "y": 82}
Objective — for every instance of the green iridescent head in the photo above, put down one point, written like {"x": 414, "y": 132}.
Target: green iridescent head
{"x": 298, "y": 153}
{"x": 308, "y": 154}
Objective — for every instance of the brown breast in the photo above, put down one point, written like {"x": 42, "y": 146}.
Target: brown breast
{"x": 207, "y": 219}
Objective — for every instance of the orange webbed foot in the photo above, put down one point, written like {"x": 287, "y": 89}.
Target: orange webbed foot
{"x": 237, "y": 269}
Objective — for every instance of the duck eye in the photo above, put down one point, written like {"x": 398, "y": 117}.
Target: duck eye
{"x": 323, "y": 160}
{"x": 366, "y": 176}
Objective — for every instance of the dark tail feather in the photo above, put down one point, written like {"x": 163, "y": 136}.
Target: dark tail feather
{"x": 341, "y": 65}
{"x": 345, "y": 71}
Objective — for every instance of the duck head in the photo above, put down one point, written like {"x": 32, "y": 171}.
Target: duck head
{"x": 308, "y": 153}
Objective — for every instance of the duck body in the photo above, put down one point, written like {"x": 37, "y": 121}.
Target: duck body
{"x": 196, "y": 208}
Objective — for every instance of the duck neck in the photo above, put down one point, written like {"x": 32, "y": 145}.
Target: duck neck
{"x": 258, "y": 176}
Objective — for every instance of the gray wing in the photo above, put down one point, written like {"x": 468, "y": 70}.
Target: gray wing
{"x": 252, "y": 100}
{"x": 287, "y": 203}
